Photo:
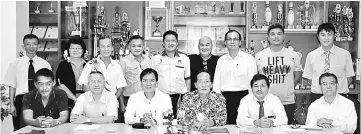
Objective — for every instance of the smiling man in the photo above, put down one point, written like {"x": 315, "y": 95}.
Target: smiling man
{"x": 261, "y": 109}
{"x": 328, "y": 58}
{"x": 45, "y": 107}
{"x": 203, "y": 61}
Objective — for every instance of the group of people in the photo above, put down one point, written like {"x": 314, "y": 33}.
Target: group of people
{"x": 235, "y": 88}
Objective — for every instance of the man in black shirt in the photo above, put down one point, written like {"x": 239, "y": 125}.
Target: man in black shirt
{"x": 45, "y": 107}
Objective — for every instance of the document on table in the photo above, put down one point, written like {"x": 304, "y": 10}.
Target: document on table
{"x": 308, "y": 127}
{"x": 218, "y": 131}
{"x": 87, "y": 127}
{"x": 288, "y": 128}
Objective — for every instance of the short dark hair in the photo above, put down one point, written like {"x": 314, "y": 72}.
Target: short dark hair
{"x": 105, "y": 37}
{"x": 76, "y": 41}
{"x": 203, "y": 71}
{"x": 328, "y": 27}
{"x": 149, "y": 71}
{"x": 258, "y": 77}
{"x": 171, "y": 33}
{"x": 230, "y": 31}
{"x": 327, "y": 75}
{"x": 135, "y": 37}
{"x": 274, "y": 26}
{"x": 31, "y": 36}
{"x": 44, "y": 72}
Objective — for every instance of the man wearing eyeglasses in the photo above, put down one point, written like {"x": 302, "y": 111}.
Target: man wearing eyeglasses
{"x": 203, "y": 61}
{"x": 20, "y": 77}
{"x": 233, "y": 74}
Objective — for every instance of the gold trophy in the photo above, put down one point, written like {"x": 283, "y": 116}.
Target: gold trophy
{"x": 125, "y": 32}
{"x": 115, "y": 34}
{"x": 307, "y": 15}
{"x": 51, "y": 10}
{"x": 76, "y": 15}
{"x": 157, "y": 19}
{"x": 100, "y": 27}
{"x": 280, "y": 14}
{"x": 37, "y": 8}
{"x": 350, "y": 24}
{"x": 337, "y": 20}
{"x": 254, "y": 15}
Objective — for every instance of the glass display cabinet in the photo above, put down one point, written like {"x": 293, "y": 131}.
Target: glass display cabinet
{"x": 156, "y": 22}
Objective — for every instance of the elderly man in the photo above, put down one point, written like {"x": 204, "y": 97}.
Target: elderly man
{"x": 204, "y": 61}
{"x": 332, "y": 110}
{"x": 149, "y": 103}
{"x": 45, "y": 107}
{"x": 261, "y": 108}
{"x": 97, "y": 105}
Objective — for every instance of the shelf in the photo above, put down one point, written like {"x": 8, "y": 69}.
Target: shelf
{"x": 205, "y": 25}
{"x": 48, "y": 39}
{"x": 44, "y": 14}
{"x": 43, "y": 24}
{"x": 73, "y": 37}
{"x": 261, "y": 31}
{"x": 209, "y": 15}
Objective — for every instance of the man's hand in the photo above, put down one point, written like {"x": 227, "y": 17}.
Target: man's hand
{"x": 49, "y": 122}
{"x": 264, "y": 122}
{"x": 323, "y": 121}
{"x": 78, "y": 119}
{"x": 204, "y": 124}
{"x": 40, "y": 121}
{"x": 13, "y": 110}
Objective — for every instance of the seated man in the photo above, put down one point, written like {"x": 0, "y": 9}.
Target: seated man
{"x": 97, "y": 105}
{"x": 45, "y": 107}
{"x": 261, "y": 108}
{"x": 148, "y": 103}
{"x": 332, "y": 110}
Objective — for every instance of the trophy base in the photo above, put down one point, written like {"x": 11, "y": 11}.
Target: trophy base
{"x": 157, "y": 34}
{"x": 51, "y": 11}
{"x": 75, "y": 33}
{"x": 307, "y": 27}
{"x": 265, "y": 27}
{"x": 299, "y": 27}
{"x": 338, "y": 38}
{"x": 37, "y": 11}
{"x": 314, "y": 27}
{"x": 241, "y": 12}
{"x": 231, "y": 12}
{"x": 291, "y": 27}
{"x": 343, "y": 39}
{"x": 253, "y": 27}
{"x": 349, "y": 38}
{"x": 222, "y": 13}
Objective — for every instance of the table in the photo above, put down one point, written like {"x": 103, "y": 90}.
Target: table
{"x": 117, "y": 128}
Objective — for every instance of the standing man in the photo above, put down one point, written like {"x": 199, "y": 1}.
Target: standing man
{"x": 173, "y": 69}
{"x": 233, "y": 74}
{"x": 132, "y": 65}
{"x": 20, "y": 77}
{"x": 282, "y": 67}
{"x": 204, "y": 61}
{"x": 328, "y": 58}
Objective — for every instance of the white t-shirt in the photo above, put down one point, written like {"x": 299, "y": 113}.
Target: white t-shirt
{"x": 279, "y": 67}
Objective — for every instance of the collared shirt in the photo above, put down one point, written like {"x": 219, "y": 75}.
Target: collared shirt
{"x": 248, "y": 110}
{"x": 198, "y": 65}
{"x": 17, "y": 74}
{"x": 113, "y": 74}
{"x": 340, "y": 65}
{"x": 138, "y": 105}
{"x": 172, "y": 72}
{"x": 341, "y": 111}
{"x": 132, "y": 69}
{"x": 58, "y": 102}
{"x": 214, "y": 107}
{"x": 279, "y": 67}
{"x": 234, "y": 74}
{"x": 77, "y": 71}
{"x": 106, "y": 106}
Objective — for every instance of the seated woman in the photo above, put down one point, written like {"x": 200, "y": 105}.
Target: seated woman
{"x": 207, "y": 107}
{"x": 69, "y": 70}
{"x": 150, "y": 103}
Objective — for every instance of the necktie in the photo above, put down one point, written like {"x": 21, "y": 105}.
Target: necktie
{"x": 31, "y": 75}
{"x": 261, "y": 109}
{"x": 327, "y": 61}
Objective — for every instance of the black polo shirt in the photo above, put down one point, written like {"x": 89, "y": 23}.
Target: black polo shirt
{"x": 196, "y": 65}
{"x": 58, "y": 102}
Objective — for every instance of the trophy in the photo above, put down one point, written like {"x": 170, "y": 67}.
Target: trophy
{"x": 350, "y": 24}
{"x": 125, "y": 32}
{"x": 290, "y": 16}
{"x": 267, "y": 16}
{"x": 232, "y": 5}
{"x": 280, "y": 14}
{"x": 295, "y": 124}
{"x": 100, "y": 27}
{"x": 157, "y": 19}
{"x": 182, "y": 9}
{"x": 76, "y": 15}
{"x": 51, "y": 10}
{"x": 303, "y": 113}
{"x": 314, "y": 25}
{"x": 213, "y": 11}
{"x": 252, "y": 44}
{"x": 264, "y": 44}
{"x": 242, "y": 7}
{"x": 116, "y": 35}
{"x": 299, "y": 14}
{"x": 37, "y": 8}
{"x": 306, "y": 17}
{"x": 222, "y": 8}
{"x": 254, "y": 15}
{"x": 337, "y": 19}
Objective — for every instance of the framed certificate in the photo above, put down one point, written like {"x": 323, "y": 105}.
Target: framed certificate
{"x": 39, "y": 31}
{"x": 51, "y": 33}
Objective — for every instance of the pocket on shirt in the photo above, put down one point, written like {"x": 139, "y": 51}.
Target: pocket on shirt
{"x": 241, "y": 70}
{"x": 339, "y": 70}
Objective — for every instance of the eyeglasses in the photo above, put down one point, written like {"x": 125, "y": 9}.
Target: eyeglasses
{"x": 76, "y": 48}
{"x": 232, "y": 39}
{"x": 205, "y": 65}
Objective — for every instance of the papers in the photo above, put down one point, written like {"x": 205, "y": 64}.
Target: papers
{"x": 308, "y": 127}
{"x": 86, "y": 127}
{"x": 289, "y": 129}
{"x": 218, "y": 131}
{"x": 51, "y": 33}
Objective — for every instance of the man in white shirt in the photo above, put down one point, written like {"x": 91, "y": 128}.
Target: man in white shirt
{"x": 261, "y": 109}
{"x": 328, "y": 58}
{"x": 282, "y": 67}
{"x": 173, "y": 69}
{"x": 97, "y": 105}
{"x": 20, "y": 80}
{"x": 148, "y": 104}
{"x": 332, "y": 110}
{"x": 233, "y": 73}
